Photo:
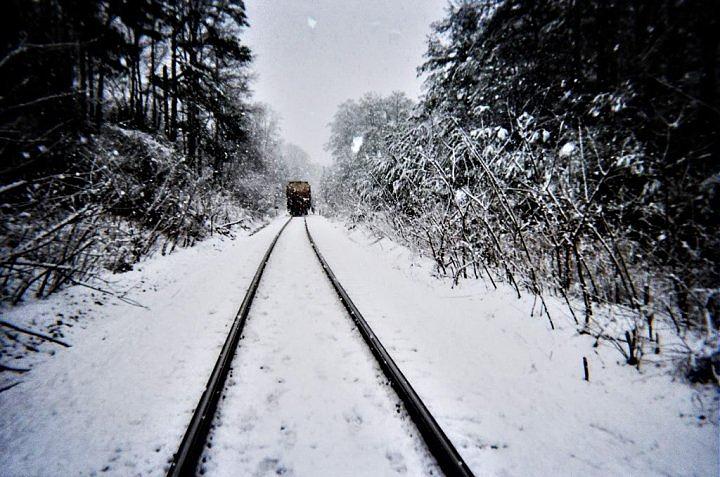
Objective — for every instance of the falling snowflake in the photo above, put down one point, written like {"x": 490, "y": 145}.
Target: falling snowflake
{"x": 356, "y": 144}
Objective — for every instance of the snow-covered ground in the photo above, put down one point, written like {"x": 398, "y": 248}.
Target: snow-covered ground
{"x": 119, "y": 400}
{"x": 507, "y": 390}
{"x": 306, "y": 396}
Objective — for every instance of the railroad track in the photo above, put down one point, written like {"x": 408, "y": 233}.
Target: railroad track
{"x": 186, "y": 459}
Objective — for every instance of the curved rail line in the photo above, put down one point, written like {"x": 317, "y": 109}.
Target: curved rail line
{"x": 185, "y": 460}
{"x": 440, "y": 446}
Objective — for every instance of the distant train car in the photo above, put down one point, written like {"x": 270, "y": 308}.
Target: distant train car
{"x": 299, "y": 200}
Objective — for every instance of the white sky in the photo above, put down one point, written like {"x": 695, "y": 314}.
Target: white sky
{"x": 311, "y": 55}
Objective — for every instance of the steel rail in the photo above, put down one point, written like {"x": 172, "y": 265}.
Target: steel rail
{"x": 449, "y": 459}
{"x": 185, "y": 460}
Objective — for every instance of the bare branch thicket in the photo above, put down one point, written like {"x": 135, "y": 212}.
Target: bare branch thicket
{"x": 65, "y": 228}
{"x": 531, "y": 217}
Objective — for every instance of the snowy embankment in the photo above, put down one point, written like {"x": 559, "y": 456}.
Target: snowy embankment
{"x": 508, "y": 390}
{"x": 119, "y": 399}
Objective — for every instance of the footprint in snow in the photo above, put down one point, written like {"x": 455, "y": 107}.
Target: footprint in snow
{"x": 271, "y": 465}
{"x": 289, "y": 437}
{"x": 272, "y": 400}
{"x": 353, "y": 418}
{"x": 397, "y": 462}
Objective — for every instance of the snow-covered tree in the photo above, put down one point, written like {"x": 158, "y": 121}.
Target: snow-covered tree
{"x": 567, "y": 148}
{"x": 360, "y": 135}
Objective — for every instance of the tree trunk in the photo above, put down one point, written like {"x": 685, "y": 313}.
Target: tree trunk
{"x": 139, "y": 111}
{"x": 174, "y": 109}
{"x": 166, "y": 103}
{"x": 100, "y": 97}
{"x": 91, "y": 88}
{"x": 218, "y": 149}
{"x": 192, "y": 109}
{"x": 710, "y": 40}
{"x": 182, "y": 113}
{"x": 82, "y": 94}
{"x": 131, "y": 105}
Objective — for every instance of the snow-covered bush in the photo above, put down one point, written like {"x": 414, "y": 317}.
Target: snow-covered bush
{"x": 548, "y": 217}
{"x": 126, "y": 194}
{"x": 359, "y": 137}
{"x": 551, "y": 150}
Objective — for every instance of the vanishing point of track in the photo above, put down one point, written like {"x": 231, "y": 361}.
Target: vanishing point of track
{"x": 185, "y": 460}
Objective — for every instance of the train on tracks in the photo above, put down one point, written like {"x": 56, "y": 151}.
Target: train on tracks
{"x": 299, "y": 200}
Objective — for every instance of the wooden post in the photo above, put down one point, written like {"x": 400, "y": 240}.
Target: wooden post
{"x": 632, "y": 360}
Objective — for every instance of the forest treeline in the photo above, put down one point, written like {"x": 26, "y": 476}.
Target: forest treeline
{"x": 565, "y": 147}
{"x": 126, "y": 126}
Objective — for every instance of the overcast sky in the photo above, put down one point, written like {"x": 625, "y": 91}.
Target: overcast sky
{"x": 311, "y": 55}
